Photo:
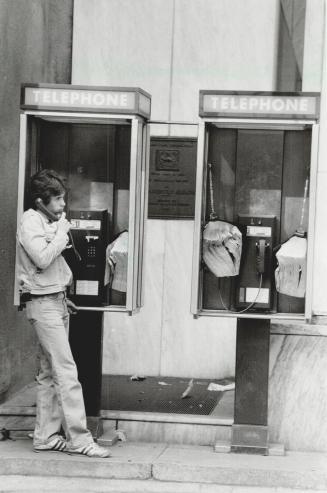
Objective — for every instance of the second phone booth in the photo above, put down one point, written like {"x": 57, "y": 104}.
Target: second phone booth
{"x": 256, "y": 173}
{"x": 254, "y": 230}
{"x": 97, "y": 139}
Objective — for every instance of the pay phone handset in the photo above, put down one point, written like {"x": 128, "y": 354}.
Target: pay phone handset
{"x": 53, "y": 217}
{"x": 261, "y": 246}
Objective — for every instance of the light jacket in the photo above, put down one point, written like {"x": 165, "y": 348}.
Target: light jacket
{"x": 41, "y": 269}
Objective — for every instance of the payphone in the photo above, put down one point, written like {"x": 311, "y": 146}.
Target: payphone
{"x": 254, "y": 285}
{"x": 89, "y": 230}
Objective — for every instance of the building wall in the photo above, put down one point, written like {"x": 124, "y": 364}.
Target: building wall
{"x": 316, "y": 80}
{"x": 298, "y": 364}
{"x": 298, "y": 390}
{"x": 35, "y": 47}
{"x": 172, "y": 49}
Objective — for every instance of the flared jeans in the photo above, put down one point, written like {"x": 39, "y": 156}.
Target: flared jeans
{"x": 60, "y": 400}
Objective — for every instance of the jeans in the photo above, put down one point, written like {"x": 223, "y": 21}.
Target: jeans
{"x": 59, "y": 394}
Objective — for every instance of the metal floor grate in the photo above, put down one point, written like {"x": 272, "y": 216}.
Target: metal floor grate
{"x": 159, "y": 394}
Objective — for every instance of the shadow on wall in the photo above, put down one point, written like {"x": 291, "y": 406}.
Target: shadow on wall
{"x": 5, "y": 372}
{"x": 37, "y": 49}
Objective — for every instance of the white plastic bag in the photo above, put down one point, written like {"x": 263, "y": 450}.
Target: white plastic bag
{"x": 290, "y": 274}
{"x": 222, "y": 248}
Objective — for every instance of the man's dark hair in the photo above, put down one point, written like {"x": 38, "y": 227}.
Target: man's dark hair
{"x": 46, "y": 184}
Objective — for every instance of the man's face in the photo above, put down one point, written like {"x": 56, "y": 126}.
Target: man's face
{"x": 57, "y": 204}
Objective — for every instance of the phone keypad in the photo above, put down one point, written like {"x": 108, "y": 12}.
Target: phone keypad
{"x": 91, "y": 251}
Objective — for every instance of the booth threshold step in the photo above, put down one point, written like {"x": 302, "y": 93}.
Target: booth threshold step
{"x": 165, "y": 417}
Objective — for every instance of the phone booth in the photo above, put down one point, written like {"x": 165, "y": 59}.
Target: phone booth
{"x": 254, "y": 230}
{"x": 97, "y": 139}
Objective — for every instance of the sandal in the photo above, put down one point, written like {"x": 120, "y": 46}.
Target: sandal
{"x": 58, "y": 444}
{"x": 91, "y": 450}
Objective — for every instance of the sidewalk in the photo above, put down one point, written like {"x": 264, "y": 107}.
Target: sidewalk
{"x": 152, "y": 468}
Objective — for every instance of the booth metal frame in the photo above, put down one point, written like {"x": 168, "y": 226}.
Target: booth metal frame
{"x": 139, "y": 175}
{"x": 200, "y": 200}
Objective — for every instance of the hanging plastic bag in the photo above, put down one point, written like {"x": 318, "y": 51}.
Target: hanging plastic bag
{"x": 290, "y": 274}
{"x": 116, "y": 263}
{"x": 222, "y": 247}
{"x": 222, "y": 243}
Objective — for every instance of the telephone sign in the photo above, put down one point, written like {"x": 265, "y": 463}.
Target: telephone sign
{"x": 244, "y": 104}
{"x": 86, "y": 98}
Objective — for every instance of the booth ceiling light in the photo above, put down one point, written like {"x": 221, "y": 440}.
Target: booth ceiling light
{"x": 101, "y": 121}
{"x": 260, "y": 126}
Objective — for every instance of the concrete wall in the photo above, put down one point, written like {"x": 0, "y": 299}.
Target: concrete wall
{"x": 172, "y": 49}
{"x": 35, "y": 47}
{"x": 316, "y": 80}
{"x": 298, "y": 364}
{"x": 298, "y": 390}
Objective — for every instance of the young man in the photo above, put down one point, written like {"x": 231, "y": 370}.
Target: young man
{"x": 43, "y": 277}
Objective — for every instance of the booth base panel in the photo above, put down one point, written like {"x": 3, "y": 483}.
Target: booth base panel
{"x": 153, "y": 410}
{"x": 163, "y": 428}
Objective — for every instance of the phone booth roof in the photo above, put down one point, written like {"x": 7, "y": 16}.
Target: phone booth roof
{"x": 98, "y": 99}
{"x": 271, "y": 105}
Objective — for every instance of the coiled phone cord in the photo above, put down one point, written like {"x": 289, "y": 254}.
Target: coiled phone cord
{"x": 249, "y": 306}
{"x": 213, "y": 216}
{"x": 78, "y": 256}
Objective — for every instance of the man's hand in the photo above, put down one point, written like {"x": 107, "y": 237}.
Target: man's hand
{"x": 63, "y": 224}
{"x": 72, "y": 308}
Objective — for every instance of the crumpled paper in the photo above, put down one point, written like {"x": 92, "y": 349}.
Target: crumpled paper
{"x": 222, "y": 248}
{"x": 216, "y": 387}
{"x": 290, "y": 275}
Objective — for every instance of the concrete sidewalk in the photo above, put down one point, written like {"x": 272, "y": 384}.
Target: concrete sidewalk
{"x": 152, "y": 468}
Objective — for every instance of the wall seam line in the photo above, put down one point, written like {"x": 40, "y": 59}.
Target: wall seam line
{"x": 171, "y": 67}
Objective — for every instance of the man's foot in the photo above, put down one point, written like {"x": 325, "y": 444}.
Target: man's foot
{"x": 58, "y": 444}
{"x": 91, "y": 450}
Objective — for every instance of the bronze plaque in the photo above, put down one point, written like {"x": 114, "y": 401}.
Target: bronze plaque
{"x": 172, "y": 178}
